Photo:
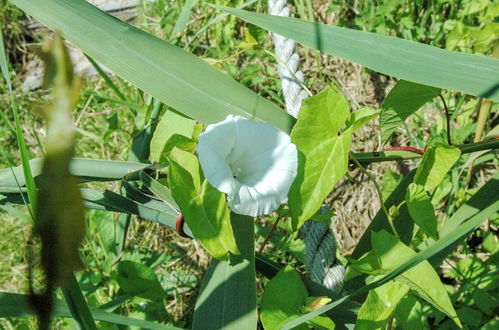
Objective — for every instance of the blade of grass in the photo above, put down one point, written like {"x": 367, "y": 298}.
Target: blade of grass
{"x": 404, "y": 59}
{"x": 106, "y": 78}
{"x": 183, "y": 18}
{"x": 30, "y": 182}
{"x": 77, "y": 304}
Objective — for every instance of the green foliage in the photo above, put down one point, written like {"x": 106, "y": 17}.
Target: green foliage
{"x": 282, "y": 299}
{"x": 322, "y": 153}
{"x": 136, "y": 269}
{"x": 422, "y": 279}
{"x": 228, "y": 295}
{"x": 203, "y": 206}
{"x": 436, "y": 162}
{"x": 421, "y": 209}
{"x": 422, "y": 64}
{"x": 170, "y": 124}
{"x": 402, "y": 101}
{"x": 172, "y": 75}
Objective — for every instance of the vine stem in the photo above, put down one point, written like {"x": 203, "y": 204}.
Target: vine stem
{"x": 378, "y": 190}
{"x": 274, "y": 226}
{"x": 447, "y": 116}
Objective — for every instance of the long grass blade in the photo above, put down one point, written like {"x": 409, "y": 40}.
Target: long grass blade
{"x": 29, "y": 181}
{"x": 404, "y": 59}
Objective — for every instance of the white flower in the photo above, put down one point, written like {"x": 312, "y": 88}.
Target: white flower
{"x": 252, "y": 162}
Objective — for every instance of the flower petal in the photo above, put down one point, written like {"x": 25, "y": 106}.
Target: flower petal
{"x": 252, "y": 162}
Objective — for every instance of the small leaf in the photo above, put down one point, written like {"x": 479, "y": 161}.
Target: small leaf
{"x": 139, "y": 280}
{"x": 402, "y": 101}
{"x": 422, "y": 279}
{"x": 322, "y": 153}
{"x": 283, "y": 298}
{"x": 203, "y": 207}
{"x": 360, "y": 117}
{"x": 421, "y": 209}
{"x": 170, "y": 124}
{"x": 436, "y": 162}
{"x": 389, "y": 182}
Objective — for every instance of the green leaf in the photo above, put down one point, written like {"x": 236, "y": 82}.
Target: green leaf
{"x": 380, "y": 222}
{"x": 409, "y": 313}
{"x": 85, "y": 169}
{"x": 380, "y": 305}
{"x": 436, "y": 162}
{"x": 171, "y": 123}
{"x": 360, "y": 117}
{"x": 422, "y": 279}
{"x": 404, "y": 59}
{"x": 228, "y": 295}
{"x": 183, "y": 18}
{"x": 421, "y": 209}
{"x": 402, "y": 101}
{"x": 139, "y": 280}
{"x": 170, "y": 74}
{"x": 16, "y": 305}
{"x": 203, "y": 206}
{"x": 322, "y": 153}
{"x": 389, "y": 182}
{"x": 23, "y": 150}
{"x": 283, "y": 298}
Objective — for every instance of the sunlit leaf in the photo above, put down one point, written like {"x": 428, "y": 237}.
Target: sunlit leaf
{"x": 322, "y": 153}
{"x": 203, "y": 207}
{"x": 421, "y": 209}
{"x": 436, "y": 162}
{"x": 283, "y": 298}
{"x": 402, "y": 101}
{"x": 422, "y": 279}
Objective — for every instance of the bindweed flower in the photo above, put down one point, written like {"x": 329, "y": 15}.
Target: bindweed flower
{"x": 252, "y": 162}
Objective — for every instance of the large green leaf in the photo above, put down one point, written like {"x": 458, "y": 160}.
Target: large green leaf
{"x": 170, "y": 74}
{"x": 421, "y": 279}
{"x": 16, "y": 305}
{"x": 139, "y": 280}
{"x": 283, "y": 298}
{"x": 322, "y": 153}
{"x": 408, "y": 60}
{"x": 402, "y": 101}
{"x": 228, "y": 295}
{"x": 203, "y": 206}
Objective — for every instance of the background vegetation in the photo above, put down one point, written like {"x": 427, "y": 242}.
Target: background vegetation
{"x": 155, "y": 256}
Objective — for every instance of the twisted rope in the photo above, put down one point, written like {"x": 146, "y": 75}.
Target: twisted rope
{"x": 320, "y": 243}
{"x": 288, "y": 61}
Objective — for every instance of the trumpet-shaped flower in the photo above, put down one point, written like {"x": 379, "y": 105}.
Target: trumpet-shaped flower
{"x": 252, "y": 162}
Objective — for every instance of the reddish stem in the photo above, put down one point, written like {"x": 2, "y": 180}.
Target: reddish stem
{"x": 179, "y": 226}
{"x": 410, "y": 149}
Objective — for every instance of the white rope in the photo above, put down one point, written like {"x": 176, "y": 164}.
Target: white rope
{"x": 320, "y": 243}
{"x": 287, "y": 64}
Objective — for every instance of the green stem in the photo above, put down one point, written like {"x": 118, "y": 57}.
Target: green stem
{"x": 378, "y": 190}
